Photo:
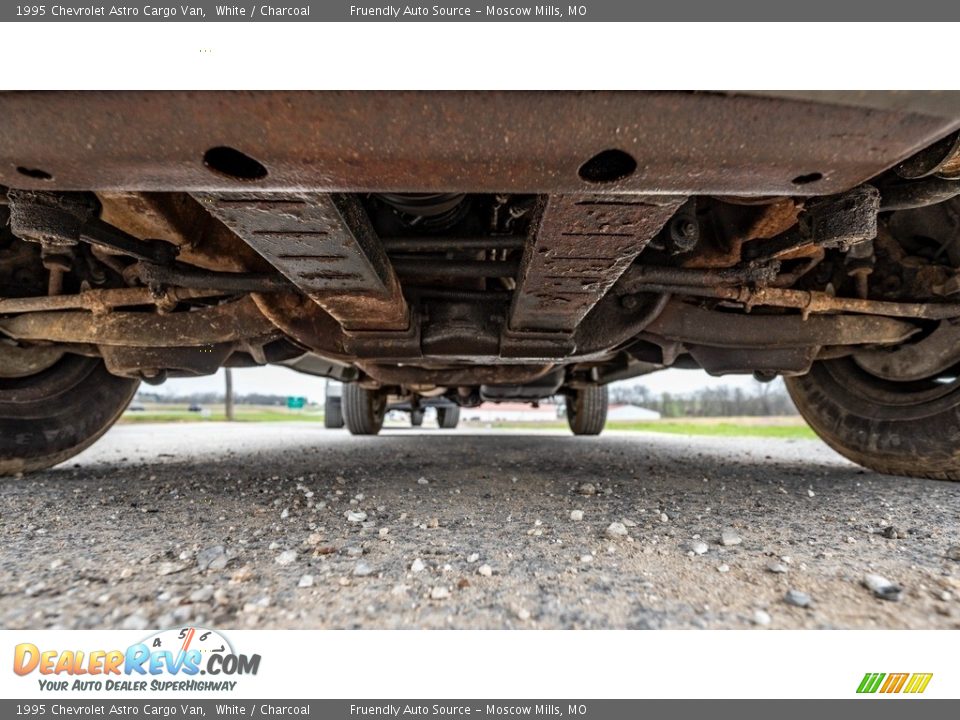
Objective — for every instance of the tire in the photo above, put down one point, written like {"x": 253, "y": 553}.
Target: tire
{"x": 898, "y": 428}
{"x": 332, "y": 414}
{"x": 416, "y": 418}
{"x": 363, "y": 410}
{"x": 51, "y": 416}
{"x": 587, "y": 410}
{"x": 448, "y": 417}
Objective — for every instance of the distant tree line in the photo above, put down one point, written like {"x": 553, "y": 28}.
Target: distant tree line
{"x": 211, "y": 398}
{"x": 764, "y": 399}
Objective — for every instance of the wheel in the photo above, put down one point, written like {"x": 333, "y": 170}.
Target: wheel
{"x": 896, "y": 427}
{"x": 587, "y": 410}
{"x": 56, "y": 412}
{"x": 416, "y": 418}
{"x": 363, "y": 409}
{"x": 332, "y": 413}
{"x": 448, "y": 417}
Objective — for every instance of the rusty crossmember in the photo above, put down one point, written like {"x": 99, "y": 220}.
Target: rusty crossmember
{"x": 582, "y": 244}
{"x": 324, "y": 244}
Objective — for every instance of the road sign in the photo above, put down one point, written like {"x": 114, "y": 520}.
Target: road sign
{"x": 296, "y": 403}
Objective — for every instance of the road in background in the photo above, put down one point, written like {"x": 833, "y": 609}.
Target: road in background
{"x": 288, "y": 525}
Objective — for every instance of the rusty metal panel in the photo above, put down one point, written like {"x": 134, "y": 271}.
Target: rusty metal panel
{"x": 582, "y": 244}
{"x": 324, "y": 245}
{"x": 527, "y": 142}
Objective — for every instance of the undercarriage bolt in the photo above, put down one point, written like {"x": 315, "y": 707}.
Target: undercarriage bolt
{"x": 684, "y": 234}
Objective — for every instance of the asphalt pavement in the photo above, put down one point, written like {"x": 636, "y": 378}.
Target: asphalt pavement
{"x": 289, "y": 525}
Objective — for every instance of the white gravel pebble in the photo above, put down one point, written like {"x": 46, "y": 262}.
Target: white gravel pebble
{"x": 587, "y": 489}
{"x": 439, "y": 593}
{"x": 135, "y": 622}
{"x": 761, "y": 617}
{"x": 882, "y": 588}
{"x": 723, "y": 568}
{"x": 356, "y": 516}
{"x": 361, "y": 569}
{"x": 699, "y": 547}
{"x": 776, "y": 567}
{"x": 169, "y": 568}
{"x": 287, "y": 557}
{"x": 729, "y": 537}
{"x": 201, "y": 595}
{"x": 418, "y": 566}
{"x": 576, "y": 515}
{"x": 473, "y": 557}
{"x": 485, "y": 570}
{"x": 797, "y": 598}
{"x": 305, "y": 581}
{"x": 422, "y": 481}
{"x": 616, "y": 530}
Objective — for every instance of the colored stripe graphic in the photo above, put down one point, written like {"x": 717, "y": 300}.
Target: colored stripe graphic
{"x": 893, "y": 683}
{"x": 918, "y": 682}
{"x": 870, "y": 682}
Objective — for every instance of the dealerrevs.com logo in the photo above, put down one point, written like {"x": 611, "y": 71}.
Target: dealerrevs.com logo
{"x": 170, "y": 660}
{"x": 890, "y": 683}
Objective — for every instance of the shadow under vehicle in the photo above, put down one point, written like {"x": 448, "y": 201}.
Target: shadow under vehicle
{"x": 478, "y": 246}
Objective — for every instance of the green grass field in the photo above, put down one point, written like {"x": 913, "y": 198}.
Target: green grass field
{"x": 160, "y": 413}
{"x": 789, "y": 427}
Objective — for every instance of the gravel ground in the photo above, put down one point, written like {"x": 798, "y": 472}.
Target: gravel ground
{"x": 294, "y": 526}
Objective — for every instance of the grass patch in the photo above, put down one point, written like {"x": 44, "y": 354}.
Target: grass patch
{"x": 715, "y": 427}
{"x": 726, "y": 429}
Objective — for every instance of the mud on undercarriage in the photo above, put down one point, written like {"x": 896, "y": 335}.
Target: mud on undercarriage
{"x": 462, "y": 247}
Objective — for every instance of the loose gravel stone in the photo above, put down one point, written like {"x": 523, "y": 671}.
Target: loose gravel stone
{"x": 953, "y": 553}
{"x": 729, "y": 538}
{"x": 361, "y": 569}
{"x": 202, "y": 595}
{"x": 761, "y": 617}
{"x": 485, "y": 570}
{"x": 587, "y": 489}
{"x": 208, "y": 556}
{"x": 169, "y": 568}
{"x": 881, "y": 587}
{"x": 356, "y": 517}
{"x": 698, "y": 547}
{"x": 778, "y": 568}
{"x": 797, "y": 598}
{"x": 417, "y": 566}
{"x": 576, "y": 515}
{"x": 439, "y": 593}
{"x": 615, "y": 530}
{"x": 287, "y": 557}
{"x": 305, "y": 581}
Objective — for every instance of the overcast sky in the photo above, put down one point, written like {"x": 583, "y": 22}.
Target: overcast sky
{"x": 274, "y": 380}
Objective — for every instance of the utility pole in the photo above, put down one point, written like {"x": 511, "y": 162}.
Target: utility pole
{"x": 228, "y": 395}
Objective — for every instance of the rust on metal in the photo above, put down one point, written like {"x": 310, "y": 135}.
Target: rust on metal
{"x": 683, "y": 143}
{"x": 814, "y": 301}
{"x": 582, "y": 244}
{"x": 455, "y": 376}
{"x": 102, "y": 300}
{"x": 324, "y": 245}
{"x": 228, "y": 322}
{"x": 684, "y": 322}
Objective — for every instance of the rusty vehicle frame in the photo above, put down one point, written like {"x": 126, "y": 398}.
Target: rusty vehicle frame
{"x": 487, "y": 245}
